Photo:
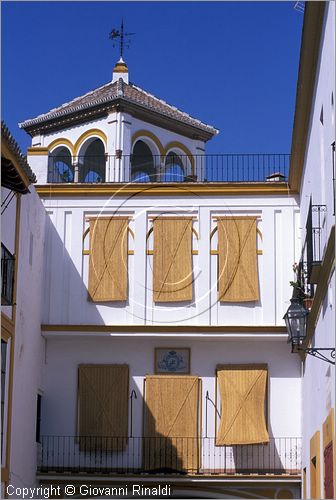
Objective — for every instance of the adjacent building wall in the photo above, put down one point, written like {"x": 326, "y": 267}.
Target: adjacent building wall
{"x": 318, "y": 396}
{"x": 29, "y": 345}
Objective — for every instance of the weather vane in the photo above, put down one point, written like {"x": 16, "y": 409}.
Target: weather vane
{"x": 123, "y": 41}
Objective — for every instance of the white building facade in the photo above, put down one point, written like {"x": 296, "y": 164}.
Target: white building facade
{"x": 165, "y": 284}
{"x": 159, "y": 277}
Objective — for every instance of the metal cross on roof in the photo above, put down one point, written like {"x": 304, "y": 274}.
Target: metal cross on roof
{"x": 120, "y": 34}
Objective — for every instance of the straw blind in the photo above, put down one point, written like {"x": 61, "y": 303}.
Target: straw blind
{"x": 108, "y": 259}
{"x": 171, "y": 423}
{"x": 103, "y": 406}
{"x": 242, "y": 391}
{"x": 237, "y": 246}
{"x": 172, "y": 279}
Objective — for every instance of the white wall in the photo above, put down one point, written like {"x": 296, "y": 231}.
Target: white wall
{"x": 65, "y": 353}
{"x": 29, "y": 345}
{"x": 318, "y": 384}
{"x": 65, "y": 292}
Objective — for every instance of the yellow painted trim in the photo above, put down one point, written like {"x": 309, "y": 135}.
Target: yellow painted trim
{"x": 263, "y": 329}
{"x": 146, "y": 133}
{"x": 195, "y": 233}
{"x": 94, "y": 132}
{"x": 183, "y": 189}
{"x": 329, "y": 437}
{"x": 61, "y": 142}
{"x": 215, "y": 252}
{"x": 37, "y": 151}
{"x": 182, "y": 147}
{"x": 315, "y": 470}
{"x": 87, "y": 252}
{"x": 151, "y": 252}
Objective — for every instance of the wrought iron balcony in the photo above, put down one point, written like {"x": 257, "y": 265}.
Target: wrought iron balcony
{"x": 162, "y": 455}
{"x": 170, "y": 168}
{"x": 7, "y": 276}
{"x": 313, "y": 243}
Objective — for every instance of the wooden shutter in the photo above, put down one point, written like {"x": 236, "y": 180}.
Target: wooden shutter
{"x": 242, "y": 391}
{"x": 108, "y": 259}
{"x": 103, "y": 406}
{"x": 172, "y": 280}
{"x": 237, "y": 247}
{"x": 328, "y": 471}
{"x": 171, "y": 423}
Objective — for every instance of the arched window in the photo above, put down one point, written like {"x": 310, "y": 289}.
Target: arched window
{"x": 174, "y": 171}
{"x": 91, "y": 161}
{"x": 60, "y": 167}
{"x": 142, "y": 164}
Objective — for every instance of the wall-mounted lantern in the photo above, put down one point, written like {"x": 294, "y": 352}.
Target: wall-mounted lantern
{"x": 296, "y": 324}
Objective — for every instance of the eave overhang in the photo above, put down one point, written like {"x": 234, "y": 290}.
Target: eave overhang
{"x": 45, "y": 126}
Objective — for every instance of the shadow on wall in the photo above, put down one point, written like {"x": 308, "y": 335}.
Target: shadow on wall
{"x": 64, "y": 289}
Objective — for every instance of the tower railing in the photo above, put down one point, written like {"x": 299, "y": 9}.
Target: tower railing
{"x": 209, "y": 168}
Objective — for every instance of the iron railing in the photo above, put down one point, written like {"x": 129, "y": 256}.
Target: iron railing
{"x": 7, "y": 276}
{"x": 181, "y": 168}
{"x": 162, "y": 455}
{"x": 313, "y": 243}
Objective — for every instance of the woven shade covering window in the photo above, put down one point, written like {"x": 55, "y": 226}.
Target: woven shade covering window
{"x": 171, "y": 423}
{"x": 172, "y": 280}
{"x": 103, "y": 407}
{"x": 242, "y": 391}
{"x": 237, "y": 247}
{"x": 108, "y": 259}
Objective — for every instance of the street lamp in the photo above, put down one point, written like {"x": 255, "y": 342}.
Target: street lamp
{"x": 296, "y": 324}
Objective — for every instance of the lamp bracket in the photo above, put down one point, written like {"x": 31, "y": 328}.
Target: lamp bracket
{"x": 316, "y": 352}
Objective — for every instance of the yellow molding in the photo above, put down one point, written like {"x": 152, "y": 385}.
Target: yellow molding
{"x": 262, "y": 329}
{"x": 183, "y": 189}
{"x": 315, "y": 466}
{"x": 175, "y": 144}
{"x": 37, "y": 151}
{"x": 87, "y": 252}
{"x": 62, "y": 142}
{"x": 150, "y": 135}
{"x": 329, "y": 437}
{"x": 94, "y": 132}
{"x": 309, "y": 57}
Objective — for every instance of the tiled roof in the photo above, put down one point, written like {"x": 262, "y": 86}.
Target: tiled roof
{"x": 15, "y": 149}
{"x": 126, "y": 92}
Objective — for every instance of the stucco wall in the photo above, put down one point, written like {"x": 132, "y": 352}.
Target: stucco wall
{"x": 29, "y": 345}
{"x": 66, "y": 277}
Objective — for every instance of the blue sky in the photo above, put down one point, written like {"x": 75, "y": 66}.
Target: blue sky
{"x": 233, "y": 65}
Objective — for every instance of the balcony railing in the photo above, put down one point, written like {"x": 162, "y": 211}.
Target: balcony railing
{"x": 181, "y": 168}
{"x": 7, "y": 276}
{"x": 162, "y": 455}
{"x": 313, "y": 243}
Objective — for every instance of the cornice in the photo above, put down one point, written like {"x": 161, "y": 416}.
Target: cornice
{"x": 183, "y": 189}
{"x": 309, "y": 58}
{"x": 262, "y": 329}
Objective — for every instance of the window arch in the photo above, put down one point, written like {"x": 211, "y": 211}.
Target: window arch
{"x": 174, "y": 169}
{"x": 142, "y": 163}
{"x": 92, "y": 161}
{"x": 60, "y": 167}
